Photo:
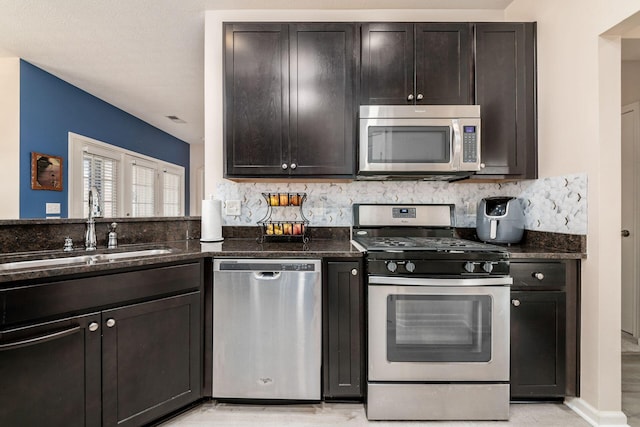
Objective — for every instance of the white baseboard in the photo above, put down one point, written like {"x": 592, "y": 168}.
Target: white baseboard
{"x": 595, "y": 417}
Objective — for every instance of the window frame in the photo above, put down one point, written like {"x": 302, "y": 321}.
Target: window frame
{"x": 79, "y": 144}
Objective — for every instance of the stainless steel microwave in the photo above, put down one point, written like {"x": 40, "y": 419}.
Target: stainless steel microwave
{"x": 419, "y": 140}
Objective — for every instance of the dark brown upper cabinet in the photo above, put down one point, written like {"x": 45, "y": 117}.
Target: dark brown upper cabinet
{"x": 425, "y": 63}
{"x": 505, "y": 82}
{"x": 290, "y": 100}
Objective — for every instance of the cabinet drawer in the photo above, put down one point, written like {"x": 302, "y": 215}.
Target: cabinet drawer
{"x": 76, "y": 296}
{"x": 540, "y": 275}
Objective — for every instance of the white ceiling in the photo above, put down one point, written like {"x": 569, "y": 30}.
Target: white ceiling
{"x": 146, "y": 56}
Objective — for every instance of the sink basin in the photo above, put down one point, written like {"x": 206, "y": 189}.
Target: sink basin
{"x": 81, "y": 259}
{"x": 130, "y": 254}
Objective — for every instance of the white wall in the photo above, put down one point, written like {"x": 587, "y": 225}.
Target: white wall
{"x": 630, "y": 82}
{"x": 196, "y": 193}
{"x": 10, "y": 138}
{"x": 579, "y": 130}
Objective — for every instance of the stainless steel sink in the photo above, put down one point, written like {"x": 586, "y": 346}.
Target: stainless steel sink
{"x": 81, "y": 259}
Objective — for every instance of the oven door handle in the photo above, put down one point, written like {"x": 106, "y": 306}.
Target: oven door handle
{"x": 420, "y": 281}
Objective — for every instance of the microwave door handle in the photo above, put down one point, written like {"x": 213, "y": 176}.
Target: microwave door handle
{"x": 456, "y": 144}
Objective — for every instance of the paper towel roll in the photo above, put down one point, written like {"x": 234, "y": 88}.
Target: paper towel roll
{"x": 211, "y": 227}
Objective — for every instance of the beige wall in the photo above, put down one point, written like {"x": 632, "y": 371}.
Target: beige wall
{"x": 630, "y": 82}
{"x": 10, "y": 137}
{"x": 579, "y": 130}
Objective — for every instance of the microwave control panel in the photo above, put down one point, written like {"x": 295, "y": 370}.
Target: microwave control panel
{"x": 469, "y": 144}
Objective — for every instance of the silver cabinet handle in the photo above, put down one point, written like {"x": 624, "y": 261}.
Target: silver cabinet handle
{"x": 293, "y": 166}
{"x": 284, "y": 166}
{"x": 111, "y": 323}
{"x": 38, "y": 340}
{"x": 515, "y": 302}
{"x": 419, "y": 97}
{"x": 538, "y": 275}
{"x": 410, "y": 97}
{"x": 354, "y": 272}
{"x": 93, "y": 326}
{"x": 625, "y": 233}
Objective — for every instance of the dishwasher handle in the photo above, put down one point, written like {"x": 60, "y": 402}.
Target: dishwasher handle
{"x": 267, "y": 275}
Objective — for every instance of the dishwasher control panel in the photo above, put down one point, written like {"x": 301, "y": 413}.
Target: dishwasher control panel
{"x": 268, "y": 266}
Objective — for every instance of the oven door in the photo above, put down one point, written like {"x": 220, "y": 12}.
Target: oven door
{"x": 438, "y": 329}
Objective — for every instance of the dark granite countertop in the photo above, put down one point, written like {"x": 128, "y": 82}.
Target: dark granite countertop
{"x": 241, "y": 242}
{"x": 529, "y": 252}
{"x": 180, "y": 251}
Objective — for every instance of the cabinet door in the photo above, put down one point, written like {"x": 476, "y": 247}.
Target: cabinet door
{"x": 443, "y": 64}
{"x": 344, "y": 329}
{"x": 505, "y": 90}
{"x": 387, "y": 71}
{"x": 538, "y": 344}
{"x": 50, "y": 374}
{"x": 151, "y": 359}
{"x": 323, "y": 81}
{"x": 256, "y": 104}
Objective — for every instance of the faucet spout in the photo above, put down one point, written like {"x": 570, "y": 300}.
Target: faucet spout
{"x": 95, "y": 211}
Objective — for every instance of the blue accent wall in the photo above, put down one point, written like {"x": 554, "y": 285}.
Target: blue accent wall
{"x": 50, "y": 108}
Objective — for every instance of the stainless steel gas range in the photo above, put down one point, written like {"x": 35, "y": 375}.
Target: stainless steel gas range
{"x": 438, "y": 317}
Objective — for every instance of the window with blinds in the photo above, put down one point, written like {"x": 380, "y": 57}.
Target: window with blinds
{"x": 101, "y": 172}
{"x": 130, "y": 184}
{"x": 171, "y": 194}
{"x": 143, "y": 186}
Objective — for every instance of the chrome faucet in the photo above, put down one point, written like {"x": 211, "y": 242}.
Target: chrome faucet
{"x": 94, "y": 212}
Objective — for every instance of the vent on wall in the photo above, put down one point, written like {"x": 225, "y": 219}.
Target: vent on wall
{"x": 175, "y": 119}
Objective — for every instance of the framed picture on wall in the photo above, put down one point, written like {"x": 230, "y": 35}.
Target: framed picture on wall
{"x": 46, "y": 172}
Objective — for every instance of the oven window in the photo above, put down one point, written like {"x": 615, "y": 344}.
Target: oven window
{"x": 439, "y": 328}
{"x": 409, "y": 144}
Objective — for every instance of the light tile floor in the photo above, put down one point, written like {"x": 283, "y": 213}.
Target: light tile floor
{"x": 352, "y": 415}
{"x": 631, "y": 380}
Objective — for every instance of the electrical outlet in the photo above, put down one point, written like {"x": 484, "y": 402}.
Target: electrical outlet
{"x": 52, "y": 208}
{"x": 232, "y": 207}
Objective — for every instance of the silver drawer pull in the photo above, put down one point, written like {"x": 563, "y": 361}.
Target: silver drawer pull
{"x": 354, "y": 272}
{"x": 410, "y": 97}
{"x": 111, "y": 323}
{"x": 93, "y": 326}
{"x": 538, "y": 275}
{"x": 515, "y": 302}
{"x": 39, "y": 340}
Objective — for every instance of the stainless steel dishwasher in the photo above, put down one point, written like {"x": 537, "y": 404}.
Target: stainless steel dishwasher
{"x": 267, "y": 316}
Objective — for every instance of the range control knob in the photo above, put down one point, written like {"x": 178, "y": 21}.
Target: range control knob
{"x": 411, "y": 267}
{"x": 392, "y": 266}
{"x": 469, "y": 266}
{"x": 488, "y": 267}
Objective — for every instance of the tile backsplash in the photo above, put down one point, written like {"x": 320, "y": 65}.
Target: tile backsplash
{"x": 557, "y": 204}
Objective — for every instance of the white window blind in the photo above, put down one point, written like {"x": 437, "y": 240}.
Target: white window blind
{"x": 143, "y": 190}
{"x": 101, "y": 172}
{"x": 171, "y": 194}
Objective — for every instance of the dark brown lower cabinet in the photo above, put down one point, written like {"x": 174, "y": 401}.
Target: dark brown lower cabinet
{"x": 545, "y": 320}
{"x": 343, "y": 349}
{"x": 538, "y": 325}
{"x": 125, "y": 366}
{"x": 50, "y": 374}
{"x": 151, "y": 359}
